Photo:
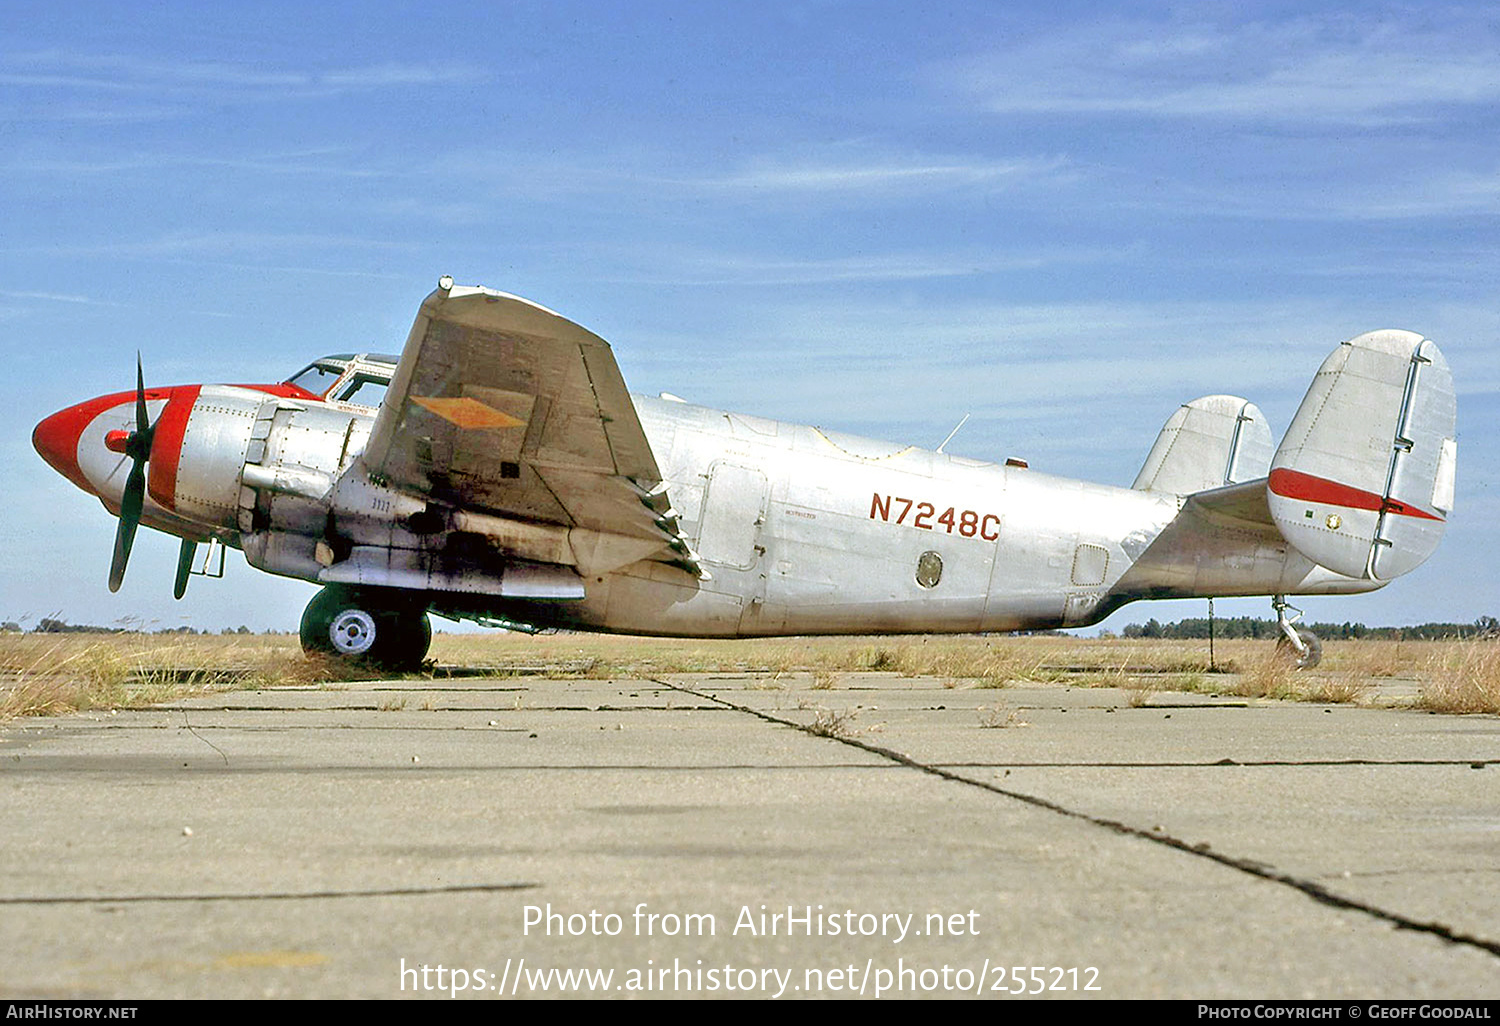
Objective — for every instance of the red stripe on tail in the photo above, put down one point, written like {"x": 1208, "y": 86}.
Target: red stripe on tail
{"x": 1293, "y": 484}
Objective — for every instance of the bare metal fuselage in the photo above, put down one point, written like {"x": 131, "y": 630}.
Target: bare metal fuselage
{"x": 811, "y": 532}
{"x": 800, "y": 530}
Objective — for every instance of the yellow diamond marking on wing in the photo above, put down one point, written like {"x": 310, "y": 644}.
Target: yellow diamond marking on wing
{"x": 469, "y": 414}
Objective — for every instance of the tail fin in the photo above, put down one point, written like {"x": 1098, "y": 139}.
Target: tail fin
{"x": 1363, "y": 481}
{"x": 1208, "y": 443}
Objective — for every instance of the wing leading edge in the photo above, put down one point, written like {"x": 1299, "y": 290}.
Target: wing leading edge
{"x": 512, "y": 415}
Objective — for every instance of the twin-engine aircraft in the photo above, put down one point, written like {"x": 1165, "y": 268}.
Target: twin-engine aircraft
{"x": 498, "y": 471}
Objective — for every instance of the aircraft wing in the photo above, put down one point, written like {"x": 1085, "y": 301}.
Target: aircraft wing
{"x": 503, "y": 408}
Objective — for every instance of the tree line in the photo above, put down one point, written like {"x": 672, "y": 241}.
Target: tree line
{"x": 1253, "y": 627}
{"x": 56, "y": 625}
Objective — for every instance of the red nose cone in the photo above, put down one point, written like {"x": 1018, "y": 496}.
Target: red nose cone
{"x": 56, "y": 439}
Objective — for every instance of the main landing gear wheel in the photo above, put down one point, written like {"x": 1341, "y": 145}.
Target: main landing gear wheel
{"x": 363, "y": 629}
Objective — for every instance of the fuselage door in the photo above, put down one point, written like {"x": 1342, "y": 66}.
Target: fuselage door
{"x": 734, "y": 509}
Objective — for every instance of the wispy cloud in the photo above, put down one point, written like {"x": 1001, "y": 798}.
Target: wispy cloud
{"x": 220, "y": 243}
{"x": 880, "y": 174}
{"x": 60, "y": 73}
{"x": 55, "y": 297}
{"x": 1034, "y": 342}
{"x": 1377, "y": 188}
{"x": 677, "y": 267}
{"x": 327, "y": 162}
{"x": 1328, "y": 70}
{"x": 837, "y": 171}
{"x": 385, "y": 76}
{"x": 1440, "y": 193}
{"x": 1010, "y": 361}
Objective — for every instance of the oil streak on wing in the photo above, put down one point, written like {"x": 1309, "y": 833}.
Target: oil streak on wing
{"x": 500, "y": 406}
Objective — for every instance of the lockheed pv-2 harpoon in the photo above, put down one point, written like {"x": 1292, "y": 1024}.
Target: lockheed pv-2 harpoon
{"x": 499, "y": 471}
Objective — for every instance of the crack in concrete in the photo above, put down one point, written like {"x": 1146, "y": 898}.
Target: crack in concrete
{"x": 442, "y": 708}
{"x": 390, "y": 892}
{"x": 1470, "y": 763}
{"x": 1259, "y": 870}
{"x": 41, "y": 766}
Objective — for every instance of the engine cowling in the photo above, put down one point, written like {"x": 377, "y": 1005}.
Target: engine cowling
{"x": 198, "y": 451}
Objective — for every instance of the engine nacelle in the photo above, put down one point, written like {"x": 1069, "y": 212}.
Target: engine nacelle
{"x": 233, "y": 458}
{"x": 295, "y": 455}
{"x": 201, "y": 440}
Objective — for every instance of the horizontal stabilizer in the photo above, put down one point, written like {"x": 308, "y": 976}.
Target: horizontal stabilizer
{"x": 1363, "y": 481}
{"x": 1208, "y": 443}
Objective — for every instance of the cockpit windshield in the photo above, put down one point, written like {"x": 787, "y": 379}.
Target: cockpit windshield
{"x": 318, "y": 377}
{"x": 359, "y": 379}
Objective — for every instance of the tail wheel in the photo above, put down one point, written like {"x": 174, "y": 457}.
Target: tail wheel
{"x": 1312, "y": 644}
{"x": 361, "y": 628}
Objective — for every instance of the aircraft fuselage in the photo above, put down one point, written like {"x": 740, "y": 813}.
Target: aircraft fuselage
{"x": 811, "y": 532}
{"x": 499, "y": 470}
{"x": 800, "y": 530}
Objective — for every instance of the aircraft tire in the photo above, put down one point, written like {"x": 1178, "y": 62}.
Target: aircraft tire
{"x": 1304, "y": 660}
{"x": 402, "y": 639}
{"x": 316, "y": 619}
{"x": 348, "y": 625}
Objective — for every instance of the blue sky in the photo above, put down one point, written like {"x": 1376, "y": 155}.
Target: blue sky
{"x": 1065, "y": 219}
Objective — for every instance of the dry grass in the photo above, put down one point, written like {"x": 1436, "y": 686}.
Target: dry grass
{"x": 56, "y": 673}
{"x": 1270, "y": 675}
{"x": 51, "y": 673}
{"x": 1138, "y": 691}
{"x": 988, "y": 662}
{"x": 1275, "y": 675}
{"x": 1338, "y": 688}
{"x": 1463, "y": 678}
{"x": 832, "y": 723}
{"x": 1378, "y": 658}
{"x": 999, "y": 716}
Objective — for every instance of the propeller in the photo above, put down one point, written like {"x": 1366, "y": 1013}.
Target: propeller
{"x": 138, "y": 450}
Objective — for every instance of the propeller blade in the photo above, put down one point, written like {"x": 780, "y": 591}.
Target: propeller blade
{"x": 142, "y": 418}
{"x": 130, "y": 518}
{"x": 184, "y": 567}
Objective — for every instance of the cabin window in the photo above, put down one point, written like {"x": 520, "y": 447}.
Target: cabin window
{"x": 929, "y": 569}
{"x": 365, "y": 390}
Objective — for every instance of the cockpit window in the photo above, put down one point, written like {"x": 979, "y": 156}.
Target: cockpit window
{"x": 317, "y": 378}
{"x": 364, "y": 390}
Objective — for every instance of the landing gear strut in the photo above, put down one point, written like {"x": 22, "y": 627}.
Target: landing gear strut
{"x": 1296, "y": 643}
{"x": 364, "y": 627}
